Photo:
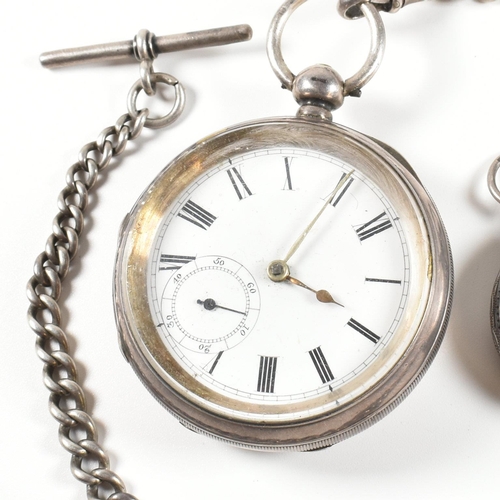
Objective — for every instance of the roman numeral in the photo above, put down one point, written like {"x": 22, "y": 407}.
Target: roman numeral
{"x": 239, "y": 185}
{"x": 197, "y": 215}
{"x": 381, "y": 280}
{"x": 267, "y": 374}
{"x": 214, "y": 364}
{"x": 338, "y": 196}
{"x": 321, "y": 365}
{"x": 174, "y": 262}
{"x": 288, "y": 182}
{"x": 363, "y": 330}
{"x": 374, "y": 226}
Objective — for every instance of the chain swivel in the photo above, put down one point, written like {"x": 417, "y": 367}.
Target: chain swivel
{"x": 351, "y": 9}
{"x": 145, "y": 53}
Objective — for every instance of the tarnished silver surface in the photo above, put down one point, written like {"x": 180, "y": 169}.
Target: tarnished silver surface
{"x": 351, "y": 9}
{"x": 351, "y": 85}
{"x": 117, "y": 51}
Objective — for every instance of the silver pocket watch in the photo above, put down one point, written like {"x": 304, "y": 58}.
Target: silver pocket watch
{"x": 285, "y": 283}
{"x": 281, "y": 285}
{"x": 495, "y": 296}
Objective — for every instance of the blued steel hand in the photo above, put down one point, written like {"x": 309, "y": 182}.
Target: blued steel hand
{"x": 210, "y": 304}
{"x": 301, "y": 238}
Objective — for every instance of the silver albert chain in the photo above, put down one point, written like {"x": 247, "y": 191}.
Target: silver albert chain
{"x": 77, "y": 430}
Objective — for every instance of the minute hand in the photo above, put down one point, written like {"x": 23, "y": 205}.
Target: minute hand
{"x": 301, "y": 238}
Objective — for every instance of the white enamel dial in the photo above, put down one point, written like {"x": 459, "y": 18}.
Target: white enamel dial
{"x": 283, "y": 284}
{"x": 247, "y": 212}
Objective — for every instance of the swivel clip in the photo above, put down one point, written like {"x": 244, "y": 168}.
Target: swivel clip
{"x": 350, "y": 9}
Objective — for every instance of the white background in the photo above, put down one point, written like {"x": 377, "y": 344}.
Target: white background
{"x": 435, "y": 99}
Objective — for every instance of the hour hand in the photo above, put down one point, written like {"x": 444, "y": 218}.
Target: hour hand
{"x": 321, "y": 295}
{"x": 278, "y": 270}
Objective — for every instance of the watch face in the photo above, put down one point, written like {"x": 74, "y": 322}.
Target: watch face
{"x": 278, "y": 276}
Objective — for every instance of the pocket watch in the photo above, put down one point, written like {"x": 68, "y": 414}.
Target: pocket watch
{"x": 495, "y": 295}
{"x": 285, "y": 283}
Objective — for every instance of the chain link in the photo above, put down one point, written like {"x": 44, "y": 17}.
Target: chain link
{"x": 77, "y": 430}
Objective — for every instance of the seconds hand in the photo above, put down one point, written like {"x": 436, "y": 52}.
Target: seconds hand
{"x": 210, "y": 304}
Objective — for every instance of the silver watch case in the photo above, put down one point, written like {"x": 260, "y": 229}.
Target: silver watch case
{"x": 145, "y": 351}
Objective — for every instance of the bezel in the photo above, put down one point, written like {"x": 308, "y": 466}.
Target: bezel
{"x": 326, "y": 419}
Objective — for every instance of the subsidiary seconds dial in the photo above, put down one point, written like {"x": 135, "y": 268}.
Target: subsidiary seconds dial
{"x": 210, "y": 304}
